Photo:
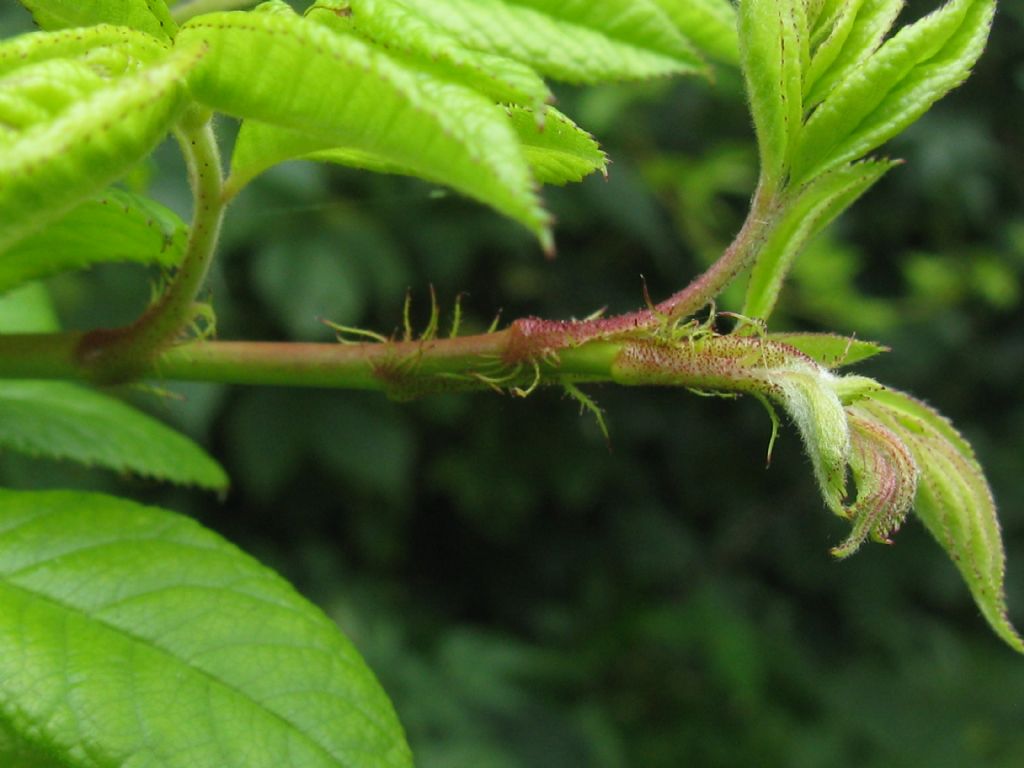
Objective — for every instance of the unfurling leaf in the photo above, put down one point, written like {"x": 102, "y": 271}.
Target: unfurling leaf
{"x": 886, "y": 478}
{"x": 953, "y": 499}
{"x": 131, "y": 636}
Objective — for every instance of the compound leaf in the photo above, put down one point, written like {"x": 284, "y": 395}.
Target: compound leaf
{"x": 577, "y": 41}
{"x": 953, "y": 500}
{"x": 29, "y": 48}
{"x": 355, "y": 96}
{"x": 182, "y": 652}
{"x": 114, "y": 226}
{"x": 149, "y": 16}
{"x": 88, "y": 142}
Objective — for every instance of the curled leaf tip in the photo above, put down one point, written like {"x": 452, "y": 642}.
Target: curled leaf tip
{"x": 886, "y": 477}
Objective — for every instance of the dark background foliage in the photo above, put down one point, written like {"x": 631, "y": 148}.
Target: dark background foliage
{"x": 530, "y": 596}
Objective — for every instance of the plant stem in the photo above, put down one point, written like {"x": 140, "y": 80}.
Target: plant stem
{"x": 120, "y": 354}
{"x": 534, "y": 336}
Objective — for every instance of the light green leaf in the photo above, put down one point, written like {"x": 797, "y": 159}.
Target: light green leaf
{"x": 431, "y": 49}
{"x": 64, "y": 421}
{"x": 114, "y": 226}
{"x": 856, "y": 34}
{"x": 182, "y": 652}
{"x": 953, "y": 500}
{"x": 708, "y": 24}
{"x": 556, "y": 148}
{"x": 771, "y": 52}
{"x": 149, "y": 16}
{"x": 28, "y": 309}
{"x": 557, "y": 151}
{"x": 354, "y": 96}
{"x": 578, "y": 41}
{"x": 812, "y": 209}
{"x": 30, "y": 48}
{"x": 894, "y": 87}
{"x": 830, "y": 350}
{"x": 51, "y": 166}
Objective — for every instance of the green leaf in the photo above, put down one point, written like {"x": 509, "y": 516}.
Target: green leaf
{"x": 708, "y": 24}
{"x": 149, "y": 16}
{"x": 557, "y": 150}
{"x": 856, "y": 34}
{"x": 578, "y": 41}
{"x": 182, "y": 652}
{"x": 65, "y": 421}
{"x": 114, "y": 226}
{"x": 771, "y": 53}
{"x": 51, "y": 166}
{"x": 830, "y": 350}
{"x": 30, "y": 48}
{"x": 356, "y": 97}
{"x": 431, "y": 49}
{"x": 953, "y": 500}
{"x": 28, "y": 309}
{"x": 894, "y": 87}
{"x": 813, "y": 208}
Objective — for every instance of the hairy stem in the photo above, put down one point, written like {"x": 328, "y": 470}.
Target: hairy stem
{"x": 535, "y": 336}
{"x": 120, "y": 354}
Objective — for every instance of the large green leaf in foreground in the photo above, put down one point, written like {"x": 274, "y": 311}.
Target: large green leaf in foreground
{"x": 182, "y": 652}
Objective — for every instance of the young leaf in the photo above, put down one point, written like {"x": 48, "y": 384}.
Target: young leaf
{"x": 829, "y": 350}
{"x": 953, "y": 500}
{"x": 113, "y": 226}
{"x": 708, "y": 24}
{"x": 855, "y": 34}
{"x": 431, "y": 49}
{"x": 578, "y": 41}
{"x": 149, "y": 16}
{"x": 50, "y": 167}
{"x": 772, "y": 60}
{"x": 886, "y": 478}
{"x": 353, "y": 96}
{"x": 182, "y": 652}
{"x": 812, "y": 209}
{"x": 894, "y": 86}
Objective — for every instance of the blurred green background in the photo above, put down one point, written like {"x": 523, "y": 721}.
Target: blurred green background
{"x": 530, "y": 597}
